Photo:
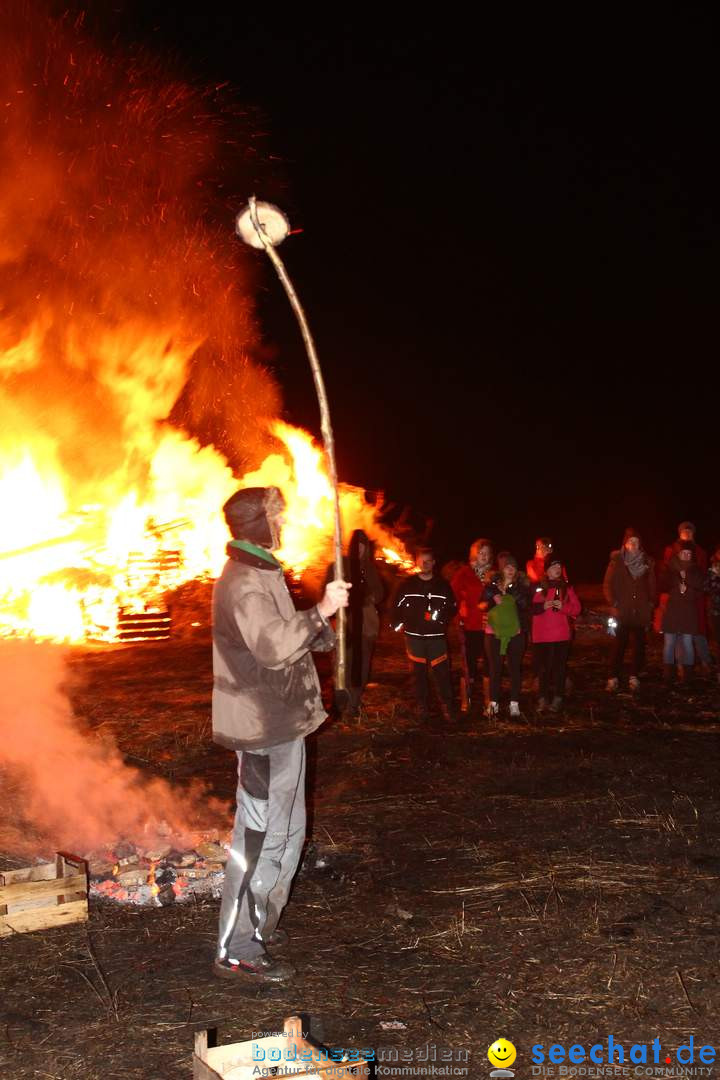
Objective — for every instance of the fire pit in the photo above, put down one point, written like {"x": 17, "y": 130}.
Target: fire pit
{"x": 159, "y": 875}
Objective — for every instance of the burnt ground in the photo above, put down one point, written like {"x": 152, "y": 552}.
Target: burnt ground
{"x": 550, "y": 880}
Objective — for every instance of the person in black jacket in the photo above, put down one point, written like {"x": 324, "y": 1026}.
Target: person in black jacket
{"x": 363, "y": 621}
{"x": 684, "y": 582}
{"x": 630, "y": 590}
{"x": 424, "y": 605}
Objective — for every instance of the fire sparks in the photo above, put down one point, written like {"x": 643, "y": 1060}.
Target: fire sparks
{"x": 126, "y": 324}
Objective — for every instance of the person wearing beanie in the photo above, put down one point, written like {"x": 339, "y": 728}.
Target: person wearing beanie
{"x": 468, "y": 584}
{"x": 630, "y": 588}
{"x": 686, "y": 535}
{"x": 684, "y": 582}
{"x": 554, "y": 604}
{"x": 266, "y": 699}
{"x": 508, "y": 597}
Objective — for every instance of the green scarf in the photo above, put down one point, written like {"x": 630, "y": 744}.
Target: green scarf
{"x": 504, "y": 621}
{"x": 259, "y": 552}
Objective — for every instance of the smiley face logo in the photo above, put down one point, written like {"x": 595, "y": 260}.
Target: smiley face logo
{"x": 501, "y": 1054}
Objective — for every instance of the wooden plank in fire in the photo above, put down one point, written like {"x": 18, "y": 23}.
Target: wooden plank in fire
{"x": 143, "y": 625}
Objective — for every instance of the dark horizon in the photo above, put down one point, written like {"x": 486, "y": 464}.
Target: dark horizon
{"x": 507, "y": 256}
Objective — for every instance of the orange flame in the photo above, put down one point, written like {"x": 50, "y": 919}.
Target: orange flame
{"x": 309, "y": 518}
{"x": 123, "y": 315}
{"x": 68, "y": 574}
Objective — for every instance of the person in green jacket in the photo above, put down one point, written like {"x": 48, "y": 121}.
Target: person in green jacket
{"x": 508, "y": 596}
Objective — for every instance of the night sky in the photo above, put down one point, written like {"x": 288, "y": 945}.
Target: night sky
{"x": 509, "y": 256}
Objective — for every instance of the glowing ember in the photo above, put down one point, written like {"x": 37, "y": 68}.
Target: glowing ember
{"x": 158, "y": 877}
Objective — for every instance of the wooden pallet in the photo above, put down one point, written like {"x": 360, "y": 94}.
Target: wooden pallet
{"x": 284, "y": 1052}
{"x": 40, "y": 897}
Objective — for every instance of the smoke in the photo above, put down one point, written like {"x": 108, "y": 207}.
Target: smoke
{"x": 123, "y": 301}
{"x": 64, "y": 789}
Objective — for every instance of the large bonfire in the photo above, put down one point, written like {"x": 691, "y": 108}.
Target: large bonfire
{"x": 126, "y": 341}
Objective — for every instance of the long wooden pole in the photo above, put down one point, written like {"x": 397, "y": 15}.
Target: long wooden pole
{"x": 325, "y": 427}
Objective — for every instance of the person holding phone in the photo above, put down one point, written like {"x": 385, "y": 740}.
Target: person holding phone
{"x": 554, "y": 604}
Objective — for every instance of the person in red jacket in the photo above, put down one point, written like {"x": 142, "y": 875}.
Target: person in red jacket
{"x": 535, "y": 567}
{"x": 554, "y": 604}
{"x": 468, "y": 584}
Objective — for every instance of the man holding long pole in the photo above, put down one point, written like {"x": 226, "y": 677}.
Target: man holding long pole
{"x": 266, "y": 699}
{"x": 266, "y": 694}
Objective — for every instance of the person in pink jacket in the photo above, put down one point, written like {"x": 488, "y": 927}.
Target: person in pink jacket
{"x": 554, "y": 604}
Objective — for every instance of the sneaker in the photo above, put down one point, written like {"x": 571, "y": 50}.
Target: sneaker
{"x": 515, "y": 708}
{"x": 557, "y": 704}
{"x": 492, "y": 710}
{"x": 612, "y": 685}
{"x": 634, "y": 682}
{"x": 541, "y": 705}
{"x": 261, "y": 969}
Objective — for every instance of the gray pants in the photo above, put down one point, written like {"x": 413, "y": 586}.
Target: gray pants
{"x": 266, "y": 847}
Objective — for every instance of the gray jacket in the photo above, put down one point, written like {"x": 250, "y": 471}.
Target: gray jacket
{"x": 266, "y": 689}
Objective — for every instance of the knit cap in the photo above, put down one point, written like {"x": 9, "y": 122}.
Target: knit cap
{"x": 247, "y": 514}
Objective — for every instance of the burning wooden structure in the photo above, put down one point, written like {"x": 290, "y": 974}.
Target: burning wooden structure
{"x": 105, "y": 573}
